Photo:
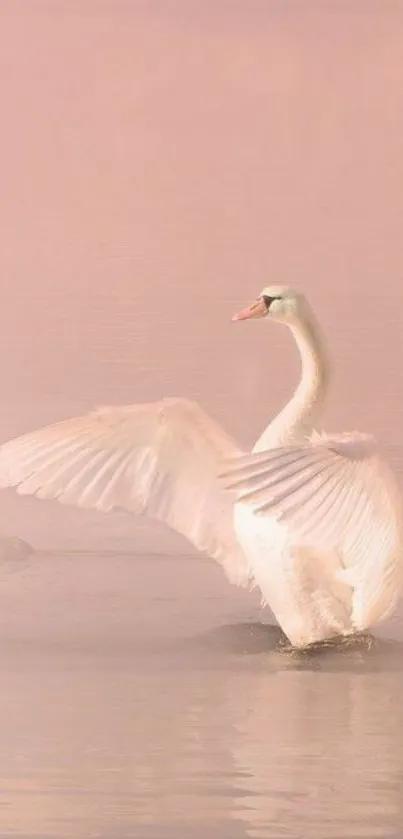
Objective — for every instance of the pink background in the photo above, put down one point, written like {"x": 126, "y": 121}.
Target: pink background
{"x": 160, "y": 163}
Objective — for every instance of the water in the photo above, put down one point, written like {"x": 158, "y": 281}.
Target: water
{"x": 144, "y": 698}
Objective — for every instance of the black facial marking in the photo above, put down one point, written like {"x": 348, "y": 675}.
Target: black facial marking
{"x": 269, "y": 300}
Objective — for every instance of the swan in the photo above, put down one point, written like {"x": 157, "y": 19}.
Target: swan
{"x": 312, "y": 520}
{"x": 319, "y": 516}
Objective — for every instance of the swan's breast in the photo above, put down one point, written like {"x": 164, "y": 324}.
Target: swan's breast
{"x": 265, "y": 543}
{"x": 297, "y": 582}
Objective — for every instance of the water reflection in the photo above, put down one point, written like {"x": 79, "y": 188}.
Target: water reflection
{"x": 194, "y": 728}
{"x": 321, "y": 755}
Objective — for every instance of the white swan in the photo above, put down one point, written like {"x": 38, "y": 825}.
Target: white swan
{"x": 323, "y": 567}
{"x": 318, "y": 516}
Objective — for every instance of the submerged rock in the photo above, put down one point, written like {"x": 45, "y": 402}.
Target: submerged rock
{"x": 11, "y": 547}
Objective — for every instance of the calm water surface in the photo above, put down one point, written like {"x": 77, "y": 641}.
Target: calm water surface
{"x": 147, "y": 698}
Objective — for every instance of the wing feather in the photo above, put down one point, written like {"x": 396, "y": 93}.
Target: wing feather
{"x": 160, "y": 459}
{"x": 334, "y": 494}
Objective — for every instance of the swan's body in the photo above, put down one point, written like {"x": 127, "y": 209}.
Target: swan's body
{"x": 328, "y": 514}
{"x": 316, "y": 520}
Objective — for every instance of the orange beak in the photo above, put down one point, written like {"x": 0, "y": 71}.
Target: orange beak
{"x": 258, "y": 309}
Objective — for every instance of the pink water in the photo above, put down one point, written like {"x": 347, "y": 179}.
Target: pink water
{"x": 161, "y": 162}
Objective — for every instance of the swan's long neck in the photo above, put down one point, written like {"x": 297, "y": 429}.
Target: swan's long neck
{"x": 297, "y": 420}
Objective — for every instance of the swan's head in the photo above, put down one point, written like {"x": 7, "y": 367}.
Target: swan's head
{"x": 277, "y": 302}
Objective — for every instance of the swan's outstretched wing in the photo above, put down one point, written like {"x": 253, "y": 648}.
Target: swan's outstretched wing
{"x": 160, "y": 459}
{"x": 333, "y": 494}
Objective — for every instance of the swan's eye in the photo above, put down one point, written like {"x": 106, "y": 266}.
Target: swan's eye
{"x": 269, "y": 300}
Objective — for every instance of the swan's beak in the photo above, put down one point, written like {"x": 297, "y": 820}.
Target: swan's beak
{"x": 258, "y": 309}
